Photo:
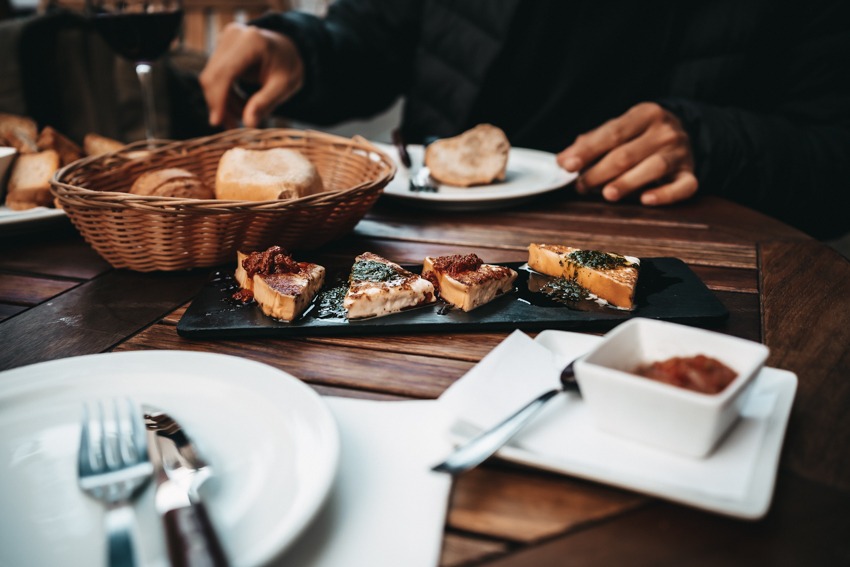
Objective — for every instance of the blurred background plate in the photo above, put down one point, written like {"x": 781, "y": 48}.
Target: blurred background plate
{"x": 30, "y": 220}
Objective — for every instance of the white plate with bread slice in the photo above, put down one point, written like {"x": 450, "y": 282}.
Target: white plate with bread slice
{"x": 29, "y": 157}
{"x": 10, "y": 219}
{"x": 529, "y": 173}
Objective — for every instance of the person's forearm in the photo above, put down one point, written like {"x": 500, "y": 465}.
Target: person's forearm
{"x": 792, "y": 169}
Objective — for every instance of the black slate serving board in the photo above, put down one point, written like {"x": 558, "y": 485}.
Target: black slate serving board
{"x": 667, "y": 289}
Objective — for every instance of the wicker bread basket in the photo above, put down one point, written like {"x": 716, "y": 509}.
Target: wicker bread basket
{"x": 146, "y": 233}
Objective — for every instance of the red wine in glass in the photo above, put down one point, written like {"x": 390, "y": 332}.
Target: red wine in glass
{"x": 140, "y": 31}
{"x": 139, "y": 36}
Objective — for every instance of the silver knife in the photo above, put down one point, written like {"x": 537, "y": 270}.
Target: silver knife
{"x": 180, "y": 472}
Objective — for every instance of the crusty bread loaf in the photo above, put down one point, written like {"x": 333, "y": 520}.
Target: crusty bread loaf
{"x": 261, "y": 175}
{"x": 50, "y": 139}
{"x": 171, "y": 182}
{"x": 95, "y": 144}
{"x": 477, "y": 157}
{"x": 19, "y": 132}
{"x": 29, "y": 183}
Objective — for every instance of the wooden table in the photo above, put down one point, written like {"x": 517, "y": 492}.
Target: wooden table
{"x": 59, "y": 299}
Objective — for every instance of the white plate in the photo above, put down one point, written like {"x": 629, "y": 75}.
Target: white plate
{"x": 530, "y": 173}
{"x": 13, "y": 221}
{"x": 16, "y": 221}
{"x": 272, "y": 443}
{"x": 737, "y": 479}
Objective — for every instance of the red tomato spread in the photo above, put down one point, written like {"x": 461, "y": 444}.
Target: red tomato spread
{"x": 698, "y": 373}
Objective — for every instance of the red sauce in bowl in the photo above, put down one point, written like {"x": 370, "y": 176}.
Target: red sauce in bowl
{"x": 698, "y": 373}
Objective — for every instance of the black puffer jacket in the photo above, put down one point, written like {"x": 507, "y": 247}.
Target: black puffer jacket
{"x": 759, "y": 84}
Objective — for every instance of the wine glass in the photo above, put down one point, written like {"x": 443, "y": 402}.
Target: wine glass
{"x": 140, "y": 31}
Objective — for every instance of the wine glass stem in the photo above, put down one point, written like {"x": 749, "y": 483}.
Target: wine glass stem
{"x": 143, "y": 70}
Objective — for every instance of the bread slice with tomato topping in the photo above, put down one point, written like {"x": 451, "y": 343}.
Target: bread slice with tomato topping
{"x": 282, "y": 287}
{"x": 466, "y": 281}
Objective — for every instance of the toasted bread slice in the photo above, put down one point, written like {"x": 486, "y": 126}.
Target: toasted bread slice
{"x": 609, "y": 276}
{"x": 68, "y": 151}
{"x": 379, "y": 287}
{"x": 467, "y": 282}
{"x": 286, "y": 295}
{"x": 29, "y": 183}
{"x": 477, "y": 157}
{"x": 282, "y": 287}
{"x": 19, "y": 132}
{"x": 95, "y": 145}
{"x": 241, "y": 275}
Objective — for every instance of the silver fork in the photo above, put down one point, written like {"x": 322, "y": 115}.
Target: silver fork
{"x": 113, "y": 467}
{"x": 419, "y": 179}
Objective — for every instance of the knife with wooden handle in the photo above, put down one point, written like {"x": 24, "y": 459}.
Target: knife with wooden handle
{"x": 192, "y": 541}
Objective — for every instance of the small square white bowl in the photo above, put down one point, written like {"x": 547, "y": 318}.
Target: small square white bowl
{"x": 651, "y": 412}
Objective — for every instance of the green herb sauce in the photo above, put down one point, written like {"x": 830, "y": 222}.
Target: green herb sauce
{"x": 371, "y": 271}
{"x": 597, "y": 260}
{"x": 330, "y": 303}
{"x": 564, "y": 290}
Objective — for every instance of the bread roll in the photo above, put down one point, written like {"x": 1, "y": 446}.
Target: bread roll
{"x": 477, "y": 157}
{"x": 29, "y": 183}
{"x": 263, "y": 175}
{"x": 171, "y": 182}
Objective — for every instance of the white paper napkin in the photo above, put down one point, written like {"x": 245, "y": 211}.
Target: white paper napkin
{"x": 387, "y": 508}
{"x": 564, "y": 434}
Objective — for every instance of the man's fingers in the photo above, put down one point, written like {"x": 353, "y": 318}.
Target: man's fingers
{"x": 217, "y": 80}
{"x": 216, "y": 92}
{"x": 591, "y": 146}
{"x": 235, "y": 108}
{"x": 623, "y": 160}
{"x": 683, "y": 186}
{"x": 651, "y": 169}
{"x": 263, "y": 102}
{"x": 241, "y": 49}
{"x": 259, "y": 106}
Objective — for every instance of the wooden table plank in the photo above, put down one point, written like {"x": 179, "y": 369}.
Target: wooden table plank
{"x": 384, "y": 371}
{"x": 29, "y": 290}
{"x": 461, "y": 550}
{"x": 807, "y": 526}
{"x": 692, "y": 251}
{"x": 744, "y": 315}
{"x": 529, "y": 506}
{"x": 795, "y": 306}
{"x": 7, "y": 310}
{"x": 61, "y": 254}
{"x": 94, "y": 316}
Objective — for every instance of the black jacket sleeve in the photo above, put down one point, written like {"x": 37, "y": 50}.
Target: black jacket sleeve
{"x": 357, "y": 59}
{"x": 789, "y": 155}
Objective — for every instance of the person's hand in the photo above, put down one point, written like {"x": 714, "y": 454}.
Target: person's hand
{"x": 646, "y": 149}
{"x": 259, "y": 56}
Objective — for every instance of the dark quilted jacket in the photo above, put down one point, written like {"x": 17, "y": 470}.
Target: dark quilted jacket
{"x": 757, "y": 83}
